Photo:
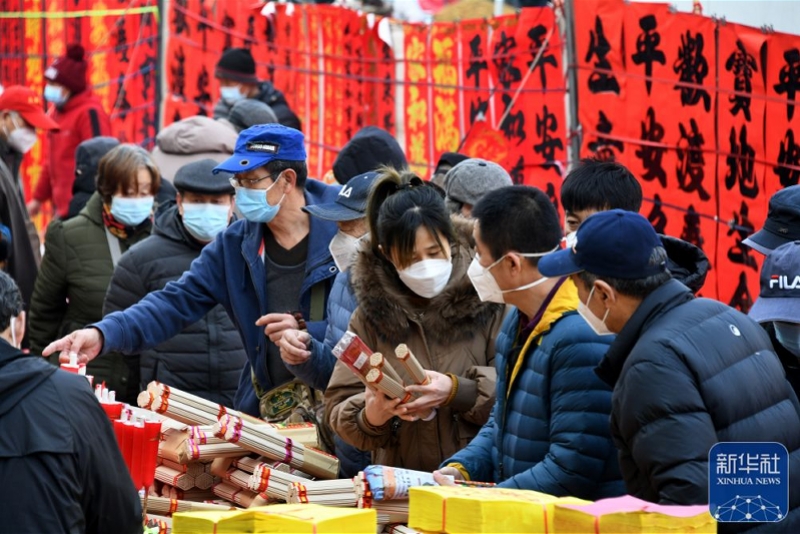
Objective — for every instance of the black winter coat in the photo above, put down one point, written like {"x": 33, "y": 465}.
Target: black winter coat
{"x": 207, "y": 358}
{"x": 688, "y": 373}
{"x": 59, "y": 461}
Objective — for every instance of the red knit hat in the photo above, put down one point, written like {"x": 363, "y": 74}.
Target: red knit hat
{"x": 70, "y": 70}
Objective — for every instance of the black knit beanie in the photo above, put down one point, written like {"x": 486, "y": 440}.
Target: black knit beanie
{"x": 237, "y": 64}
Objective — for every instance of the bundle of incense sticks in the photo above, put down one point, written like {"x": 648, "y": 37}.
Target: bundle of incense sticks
{"x": 338, "y": 493}
{"x": 163, "y": 524}
{"x": 378, "y": 361}
{"x": 387, "y": 385}
{"x": 411, "y": 364}
{"x": 355, "y": 354}
{"x": 162, "y": 506}
{"x": 193, "y": 410}
{"x": 192, "y": 451}
{"x": 234, "y": 494}
{"x": 385, "y": 483}
{"x": 204, "y": 481}
{"x": 388, "y": 511}
{"x": 238, "y": 478}
{"x": 192, "y": 468}
{"x": 175, "y": 478}
{"x": 194, "y": 494}
{"x": 273, "y": 483}
{"x": 264, "y": 440}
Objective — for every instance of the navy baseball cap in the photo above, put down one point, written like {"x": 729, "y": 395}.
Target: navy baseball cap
{"x": 615, "y": 243}
{"x": 782, "y": 224}
{"x": 779, "y": 299}
{"x": 262, "y": 143}
{"x": 351, "y": 204}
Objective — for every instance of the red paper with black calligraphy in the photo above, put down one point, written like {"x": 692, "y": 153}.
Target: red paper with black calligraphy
{"x": 783, "y": 111}
{"x": 444, "y": 51}
{"x": 474, "y": 76}
{"x": 741, "y": 170}
{"x": 417, "y": 98}
{"x": 379, "y": 90}
{"x": 313, "y": 91}
{"x": 602, "y": 80}
{"x": 33, "y": 67}
{"x": 670, "y": 138}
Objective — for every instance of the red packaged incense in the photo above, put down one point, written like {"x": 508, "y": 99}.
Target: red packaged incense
{"x": 152, "y": 435}
{"x": 354, "y": 353}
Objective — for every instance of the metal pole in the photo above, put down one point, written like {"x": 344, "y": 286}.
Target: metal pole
{"x": 575, "y": 133}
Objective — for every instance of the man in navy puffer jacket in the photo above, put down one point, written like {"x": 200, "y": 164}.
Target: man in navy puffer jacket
{"x": 687, "y": 372}
{"x": 549, "y": 428}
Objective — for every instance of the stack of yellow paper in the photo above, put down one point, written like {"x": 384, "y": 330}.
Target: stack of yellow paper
{"x": 631, "y": 515}
{"x": 303, "y": 518}
{"x": 458, "y": 509}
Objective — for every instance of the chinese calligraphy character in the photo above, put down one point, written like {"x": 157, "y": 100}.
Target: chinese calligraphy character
{"x": 178, "y": 70}
{"x": 741, "y": 300}
{"x": 478, "y": 107}
{"x": 536, "y": 35}
{"x": 769, "y": 465}
{"x": 513, "y": 126}
{"x": 122, "y": 42}
{"x": 517, "y": 172}
{"x": 121, "y": 101}
{"x": 599, "y": 47}
{"x": 546, "y": 124}
{"x": 657, "y": 217}
{"x": 726, "y": 464}
{"x": 789, "y": 154}
{"x": 503, "y": 60}
{"x": 603, "y": 145}
{"x": 742, "y": 65}
{"x": 647, "y": 51}
{"x": 741, "y": 226}
{"x": 203, "y": 97}
{"x": 251, "y": 31}
{"x": 691, "y": 162}
{"x": 691, "y": 228}
{"x": 179, "y": 20}
{"x": 789, "y": 79}
{"x": 741, "y": 165}
{"x": 229, "y": 24}
{"x": 202, "y": 24}
{"x": 649, "y": 152}
{"x": 693, "y": 68}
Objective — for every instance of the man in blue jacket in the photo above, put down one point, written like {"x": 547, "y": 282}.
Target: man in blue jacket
{"x": 687, "y": 372}
{"x": 549, "y": 428}
{"x": 263, "y": 270}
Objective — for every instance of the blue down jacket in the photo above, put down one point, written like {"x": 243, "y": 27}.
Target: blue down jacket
{"x": 688, "y": 373}
{"x": 317, "y": 370}
{"x": 549, "y": 428}
{"x": 229, "y": 272}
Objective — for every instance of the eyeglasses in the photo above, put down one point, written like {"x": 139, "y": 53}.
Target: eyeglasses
{"x": 237, "y": 181}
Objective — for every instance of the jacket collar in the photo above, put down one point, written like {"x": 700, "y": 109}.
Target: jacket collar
{"x": 319, "y": 235}
{"x": 389, "y": 306}
{"x": 659, "y": 302}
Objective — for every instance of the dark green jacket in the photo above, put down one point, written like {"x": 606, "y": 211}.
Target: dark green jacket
{"x": 72, "y": 283}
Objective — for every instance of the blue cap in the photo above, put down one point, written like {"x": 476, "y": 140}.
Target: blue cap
{"x": 351, "y": 204}
{"x": 615, "y": 243}
{"x": 262, "y": 143}
{"x": 779, "y": 299}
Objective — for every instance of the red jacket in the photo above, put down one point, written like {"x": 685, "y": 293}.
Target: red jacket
{"x": 81, "y": 118}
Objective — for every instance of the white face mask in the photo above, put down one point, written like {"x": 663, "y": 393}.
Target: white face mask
{"x": 21, "y": 138}
{"x": 596, "y": 324}
{"x": 14, "y": 333}
{"x": 343, "y": 248}
{"x": 570, "y": 240}
{"x": 427, "y": 278}
{"x": 231, "y": 95}
{"x": 486, "y": 285}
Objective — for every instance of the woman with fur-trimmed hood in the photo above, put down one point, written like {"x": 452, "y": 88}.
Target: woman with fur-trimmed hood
{"x": 412, "y": 287}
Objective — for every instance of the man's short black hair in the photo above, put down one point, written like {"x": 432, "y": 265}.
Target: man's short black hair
{"x": 277, "y": 166}
{"x": 601, "y": 186}
{"x": 10, "y": 300}
{"x": 517, "y": 218}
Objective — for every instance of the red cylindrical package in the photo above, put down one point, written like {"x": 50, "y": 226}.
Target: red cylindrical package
{"x": 354, "y": 353}
{"x": 136, "y": 455}
{"x": 126, "y": 446}
{"x": 152, "y": 435}
{"x": 113, "y": 409}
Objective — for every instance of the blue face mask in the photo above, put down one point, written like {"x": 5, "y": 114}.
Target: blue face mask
{"x": 254, "y": 205}
{"x": 131, "y": 211}
{"x": 205, "y": 221}
{"x": 231, "y": 95}
{"x": 54, "y": 95}
{"x": 788, "y": 335}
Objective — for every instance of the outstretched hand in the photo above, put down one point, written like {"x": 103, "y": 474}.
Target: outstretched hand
{"x": 86, "y": 344}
